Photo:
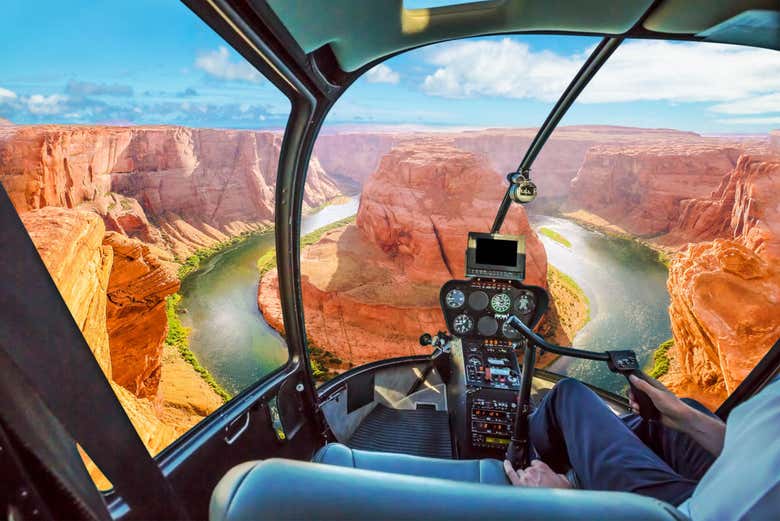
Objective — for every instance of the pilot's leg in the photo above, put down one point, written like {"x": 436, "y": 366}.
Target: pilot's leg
{"x": 680, "y": 451}
{"x": 573, "y": 427}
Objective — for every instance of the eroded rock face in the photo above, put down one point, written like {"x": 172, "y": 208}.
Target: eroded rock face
{"x": 562, "y": 155}
{"x": 351, "y": 157}
{"x": 178, "y": 188}
{"x": 71, "y": 245}
{"x": 135, "y": 314}
{"x": 725, "y": 293}
{"x": 641, "y": 189}
{"x": 370, "y": 289}
{"x": 104, "y": 279}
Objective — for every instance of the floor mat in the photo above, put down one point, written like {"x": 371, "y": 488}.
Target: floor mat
{"x": 422, "y": 432}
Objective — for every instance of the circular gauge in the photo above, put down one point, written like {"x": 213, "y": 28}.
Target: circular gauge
{"x": 509, "y": 332}
{"x": 462, "y": 324}
{"x": 455, "y": 299}
{"x": 487, "y": 326}
{"x": 501, "y": 302}
{"x": 478, "y": 300}
{"x": 524, "y": 304}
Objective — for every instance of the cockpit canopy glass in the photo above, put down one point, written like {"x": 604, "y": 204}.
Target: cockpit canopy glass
{"x": 646, "y": 194}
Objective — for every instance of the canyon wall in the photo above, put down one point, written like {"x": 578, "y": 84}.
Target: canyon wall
{"x": 351, "y": 157}
{"x": 561, "y": 157}
{"x": 178, "y": 189}
{"x": 641, "y": 189}
{"x": 725, "y": 293}
{"x": 371, "y": 288}
{"x": 90, "y": 268}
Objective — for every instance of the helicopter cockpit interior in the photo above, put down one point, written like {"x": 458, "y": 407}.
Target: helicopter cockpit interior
{"x": 311, "y": 402}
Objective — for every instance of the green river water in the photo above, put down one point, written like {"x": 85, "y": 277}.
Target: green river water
{"x": 626, "y": 287}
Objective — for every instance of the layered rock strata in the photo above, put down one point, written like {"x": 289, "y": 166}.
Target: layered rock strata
{"x": 725, "y": 293}
{"x": 370, "y": 289}
{"x": 642, "y": 189}
{"x": 103, "y": 278}
{"x": 177, "y": 188}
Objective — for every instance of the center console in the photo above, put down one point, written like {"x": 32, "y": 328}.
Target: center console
{"x": 485, "y": 375}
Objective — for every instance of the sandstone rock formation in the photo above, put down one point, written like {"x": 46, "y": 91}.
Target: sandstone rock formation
{"x": 177, "y": 188}
{"x": 774, "y": 142}
{"x": 562, "y": 155}
{"x": 71, "y": 245}
{"x": 370, "y": 289}
{"x": 641, "y": 189}
{"x": 5, "y": 122}
{"x": 351, "y": 157}
{"x": 135, "y": 314}
{"x": 104, "y": 279}
{"x": 725, "y": 294}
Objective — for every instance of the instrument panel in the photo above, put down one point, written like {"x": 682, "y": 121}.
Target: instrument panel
{"x": 478, "y": 308}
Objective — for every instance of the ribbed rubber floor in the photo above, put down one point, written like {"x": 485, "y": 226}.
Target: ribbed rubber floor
{"x": 423, "y": 432}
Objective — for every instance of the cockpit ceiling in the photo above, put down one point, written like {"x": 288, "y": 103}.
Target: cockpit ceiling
{"x": 362, "y": 31}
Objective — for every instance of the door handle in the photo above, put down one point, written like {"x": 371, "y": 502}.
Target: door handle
{"x": 236, "y": 428}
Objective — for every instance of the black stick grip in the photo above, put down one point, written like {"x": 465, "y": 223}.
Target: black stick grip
{"x": 647, "y": 408}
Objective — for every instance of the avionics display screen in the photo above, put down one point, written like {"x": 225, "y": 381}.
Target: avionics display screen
{"x": 497, "y": 252}
{"x": 495, "y": 256}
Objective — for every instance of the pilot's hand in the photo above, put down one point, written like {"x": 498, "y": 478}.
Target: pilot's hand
{"x": 674, "y": 412}
{"x": 537, "y": 475}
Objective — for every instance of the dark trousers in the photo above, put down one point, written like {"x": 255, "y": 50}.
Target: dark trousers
{"x": 573, "y": 428}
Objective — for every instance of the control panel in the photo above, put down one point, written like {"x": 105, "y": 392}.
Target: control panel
{"x": 478, "y": 308}
{"x": 491, "y": 422}
{"x": 491, "y": 364}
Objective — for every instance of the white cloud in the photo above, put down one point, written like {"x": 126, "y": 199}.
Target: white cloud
{"x": 382, "y": 74}
{"x": 770, "y": 120}
{"x": 756, "y": 105}
{"x": 217, "y": 64}
{"x": 504, "y": 68}
{"x": 638, "y": 71}
{"x": 6, "y": 94}
{"x": 47, "y": 105}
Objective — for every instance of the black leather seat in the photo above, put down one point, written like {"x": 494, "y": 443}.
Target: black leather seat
{"x": 286, "y": 489}
{"x": 489, "y": 471}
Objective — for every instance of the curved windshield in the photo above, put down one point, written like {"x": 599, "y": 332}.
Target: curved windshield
{"x": 652, "y": 229}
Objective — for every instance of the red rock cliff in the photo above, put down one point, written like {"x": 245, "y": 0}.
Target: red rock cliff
{"x": 135, "y": 314}
{"x": 178, "y": 188}
{"x": 562, "y": 155}
{"x": 642, "y": 188}
{"x": 725, "y": 294}
{"x": 370, "y": 289}
{"x": 73, "y": 246}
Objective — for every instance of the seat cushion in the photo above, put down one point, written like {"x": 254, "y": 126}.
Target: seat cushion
{"x": 293, "y": 490}
{"x": 488, "y": 471}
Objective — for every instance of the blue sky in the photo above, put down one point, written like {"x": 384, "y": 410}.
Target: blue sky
{"x": 153, "y": 62}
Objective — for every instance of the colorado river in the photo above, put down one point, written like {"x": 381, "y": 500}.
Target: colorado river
{"x": 229, "y": 335}
{"x": 626, "y": 288}
{"x": 628, "y": 298}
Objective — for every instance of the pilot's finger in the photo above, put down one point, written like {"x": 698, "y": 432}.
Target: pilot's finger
{"x": 511, "y": 473}
{"x": 643, "y": 386}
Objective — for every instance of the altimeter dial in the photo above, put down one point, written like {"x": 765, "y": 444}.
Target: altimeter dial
{"x": 501, "y": 302}
{"x": 455, "y": 299}
{"x": 462, "y": 324}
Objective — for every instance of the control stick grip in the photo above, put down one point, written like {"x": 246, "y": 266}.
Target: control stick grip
{"x": 626, "y": 363}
